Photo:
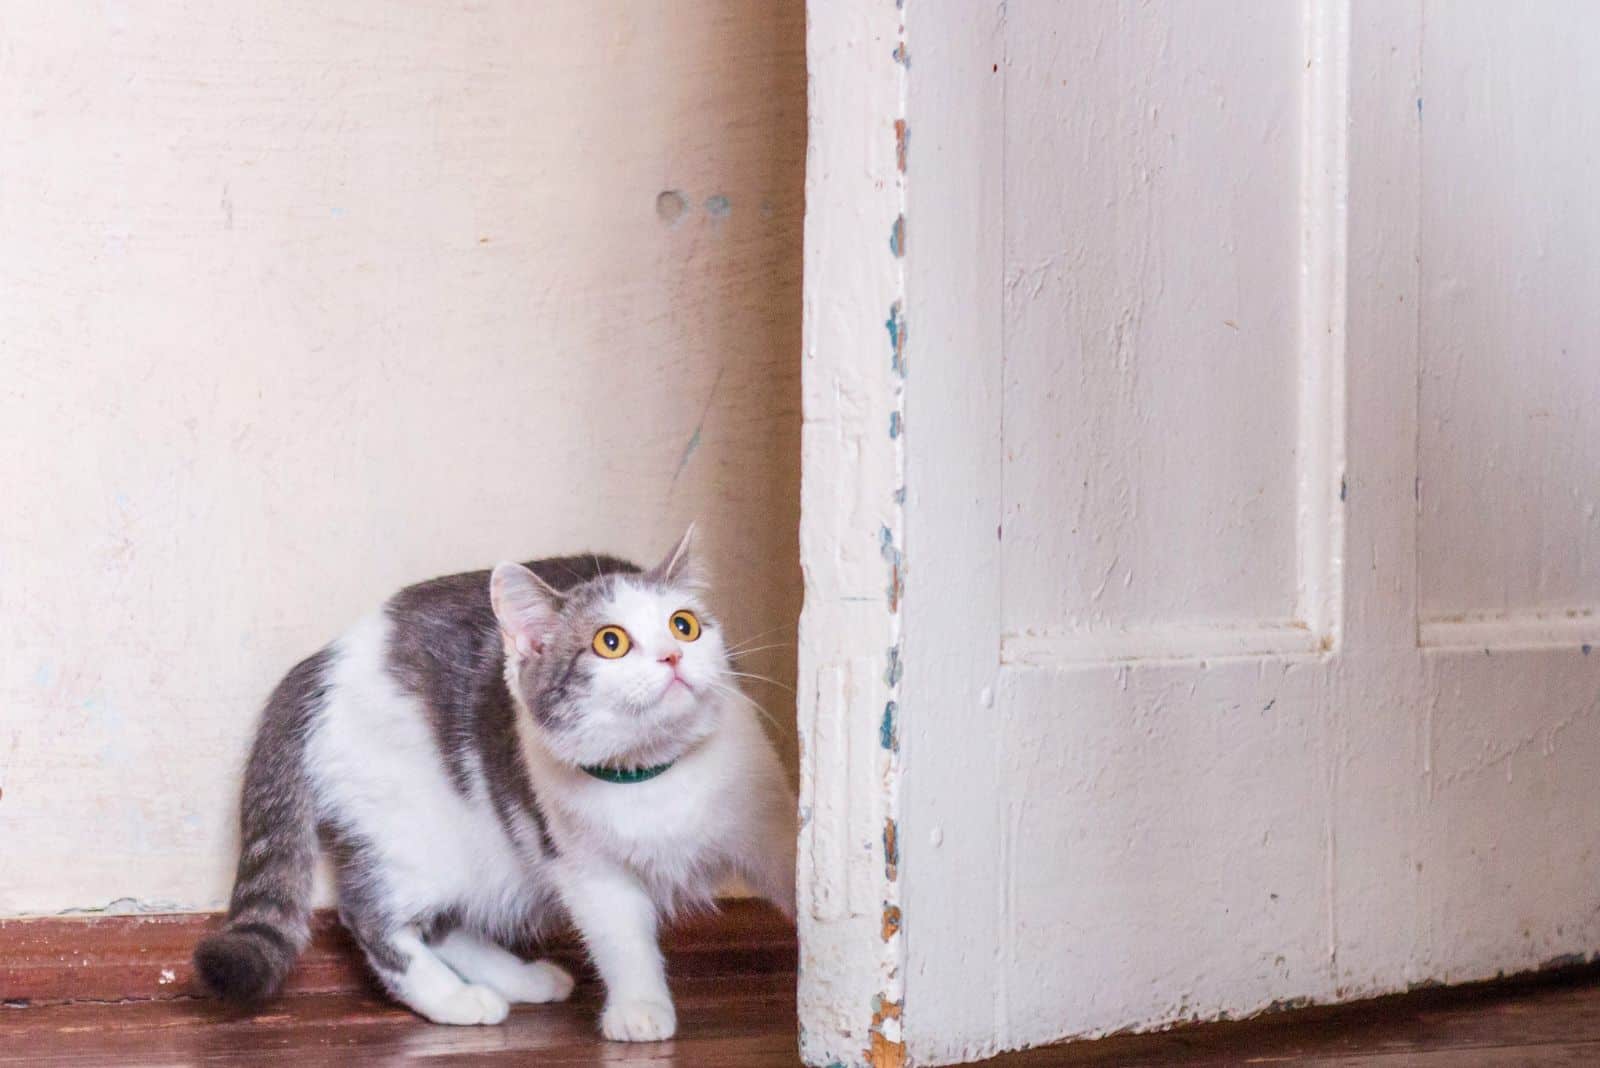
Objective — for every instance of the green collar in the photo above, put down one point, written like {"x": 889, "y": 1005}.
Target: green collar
{"x": 625, "y": 775}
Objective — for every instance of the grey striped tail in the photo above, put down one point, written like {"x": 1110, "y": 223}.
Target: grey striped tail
{"x": 269, "y": 917}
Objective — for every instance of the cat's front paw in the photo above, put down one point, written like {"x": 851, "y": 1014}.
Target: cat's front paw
{"x": 638, "y": 1021}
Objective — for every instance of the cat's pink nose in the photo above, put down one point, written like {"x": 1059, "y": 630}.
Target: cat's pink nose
{"x": 672, "y": 658}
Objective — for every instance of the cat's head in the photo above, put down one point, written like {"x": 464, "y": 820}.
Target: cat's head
{"x": 627, "y": 669}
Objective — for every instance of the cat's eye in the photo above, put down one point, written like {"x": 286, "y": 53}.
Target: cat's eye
{"x": 612, "y": 642}
{"x": 687, "y": 624}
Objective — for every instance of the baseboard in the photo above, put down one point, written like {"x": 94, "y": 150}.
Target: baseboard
{"x": 129, "y": 958}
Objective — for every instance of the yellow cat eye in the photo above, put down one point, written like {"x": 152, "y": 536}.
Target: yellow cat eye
{"x": 686, "y": 624}
{"x": 612, "y": 642}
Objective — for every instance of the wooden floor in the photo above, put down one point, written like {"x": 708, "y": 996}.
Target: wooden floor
{"x": 748, "y": 1022}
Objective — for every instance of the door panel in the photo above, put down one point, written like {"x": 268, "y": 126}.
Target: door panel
{"x": 1152, "y": 248}
{"x": 1510, "y": 324}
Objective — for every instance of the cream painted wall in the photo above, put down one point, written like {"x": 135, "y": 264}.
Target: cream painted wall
{"x": 300, "y": 302}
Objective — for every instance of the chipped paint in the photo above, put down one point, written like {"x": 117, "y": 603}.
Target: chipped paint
{"x": 891, "y": 554}
{"x": 848, "y": 180}
{"x": 887, "y": 1049}
{"x": 896, "y": 325}
{"x": 719, "y": 206}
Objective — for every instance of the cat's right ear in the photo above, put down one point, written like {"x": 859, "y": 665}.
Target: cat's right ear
{"x": 525, "y": 606}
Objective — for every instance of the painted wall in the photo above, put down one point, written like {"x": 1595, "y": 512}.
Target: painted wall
{"x": 1227, "y": 541}
{"x": 302, "y": 302}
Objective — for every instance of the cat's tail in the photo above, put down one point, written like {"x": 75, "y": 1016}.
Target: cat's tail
{"x": 269, "y": 916}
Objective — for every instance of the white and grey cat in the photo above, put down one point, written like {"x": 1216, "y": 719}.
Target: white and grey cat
{"x": 489, "y": 752}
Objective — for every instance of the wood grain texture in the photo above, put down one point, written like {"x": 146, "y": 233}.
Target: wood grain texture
{"x": 747, "y": 1021}
{"x": 118, "y": 958}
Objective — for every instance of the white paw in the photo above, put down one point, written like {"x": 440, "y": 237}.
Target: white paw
{"x": 638, "y": 1021}
{"x": 469, "y": 1004}
{"x": 539, "y": 982}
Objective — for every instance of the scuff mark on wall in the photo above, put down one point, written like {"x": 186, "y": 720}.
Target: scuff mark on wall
{"x": 122, "y": 906}
{"x": 670, "y": 206}
{"x": 694, "y": 439}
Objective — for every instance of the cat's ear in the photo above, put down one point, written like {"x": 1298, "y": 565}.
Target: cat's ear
{"x": 525, "y": 606}
{"x": 679, "y": 567}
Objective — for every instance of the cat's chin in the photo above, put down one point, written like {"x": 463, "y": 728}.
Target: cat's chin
{"x": 688, "y": 725}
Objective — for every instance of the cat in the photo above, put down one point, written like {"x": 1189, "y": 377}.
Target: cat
{"x": 492, "y": 751}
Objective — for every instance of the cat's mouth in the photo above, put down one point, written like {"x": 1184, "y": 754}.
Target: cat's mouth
{"x": 673, "y": 683}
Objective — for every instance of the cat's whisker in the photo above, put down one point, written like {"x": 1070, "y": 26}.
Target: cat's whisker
{"x": 764, "y": 634}
{"x": 762, "y": 678}
{"x": 734, "y": 654}
{"x": 733, "y": 691}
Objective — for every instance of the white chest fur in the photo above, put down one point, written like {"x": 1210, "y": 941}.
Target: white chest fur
{"x": 678, "y": 832}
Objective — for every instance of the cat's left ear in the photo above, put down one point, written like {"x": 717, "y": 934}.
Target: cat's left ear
{"x": 525, "y": 606}
{"x": 679, "y": 567}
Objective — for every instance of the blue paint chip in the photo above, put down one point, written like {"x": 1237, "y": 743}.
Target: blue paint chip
{"x": 897, "y": 236}
{"x": 894, "y": 424}
{"x": 896, "y": 325}
{"x": 886, "y": 732}
{"x": 719, "y": 206}
{"x": 892, "y": 673}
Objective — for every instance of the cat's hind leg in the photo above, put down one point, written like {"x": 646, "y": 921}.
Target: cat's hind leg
{"x": 478, "y": 960}
{"x": 411, "y": 971}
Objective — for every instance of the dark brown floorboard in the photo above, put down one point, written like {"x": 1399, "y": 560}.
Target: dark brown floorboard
{"x": 748, "y": 1022}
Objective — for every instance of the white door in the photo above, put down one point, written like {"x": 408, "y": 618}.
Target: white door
{"x": 1200, "y": 524}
